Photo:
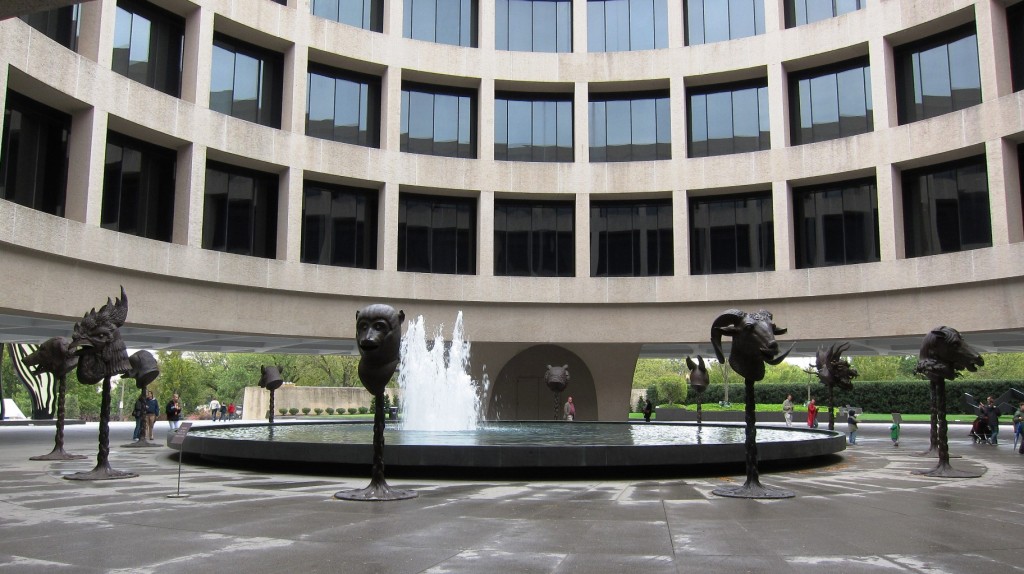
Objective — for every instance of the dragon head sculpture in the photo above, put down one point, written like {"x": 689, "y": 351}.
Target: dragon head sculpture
{"x": 832, "y": 369}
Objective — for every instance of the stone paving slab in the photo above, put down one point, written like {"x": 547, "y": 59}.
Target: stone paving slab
{"x": 860, "y": 511}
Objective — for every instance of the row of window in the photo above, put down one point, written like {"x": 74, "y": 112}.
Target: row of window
{"x": 946, "y": 209}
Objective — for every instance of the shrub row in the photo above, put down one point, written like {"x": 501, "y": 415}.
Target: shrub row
{"x": 319, "y": 411}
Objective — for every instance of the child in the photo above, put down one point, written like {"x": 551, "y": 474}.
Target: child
{"x": 894, "y": 430}
{"x": 851, "y": 424}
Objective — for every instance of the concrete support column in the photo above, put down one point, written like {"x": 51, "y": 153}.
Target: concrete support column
{"x": 890, "y": 212}
{"x": 677, "y": 91}
{"x": 778, "y": 106}
{"x": 583, "y": 234}
{"x": 289, "y": 215}
{"x": 485, "y": 235}
{"x": 485, "y": 37}
{"x": 579, "y": 27}
{"x": 1004, "y": 192}
{"x": 96, "y": 31}
{"x": 189, "y": 185}
{"x": 680, "y": 233}
{"x": 197, "y": 57}
{"x": 781, "y": 209}
{"x": 883, "y": 75}
{"x": 391, "y": 110}
{"x": 993, "y": 49}
{"x": 392, "y": 18}
{"x": 774, "y": 16}
{"x": 485, "y": 114}
{"x": 674, "y": 14}
{"x": 580, "y": 122}
{"x": 387, "y": 228}
{"x": 86, "y": 152}
{"x": 293, "y": 97}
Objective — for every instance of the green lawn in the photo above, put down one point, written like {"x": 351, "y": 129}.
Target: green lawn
{"x": 801, "y": 415}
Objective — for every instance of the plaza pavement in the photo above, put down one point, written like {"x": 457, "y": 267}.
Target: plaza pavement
{"x": 861, "y": 511}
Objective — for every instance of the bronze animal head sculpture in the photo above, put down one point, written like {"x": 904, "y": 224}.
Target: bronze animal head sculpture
{"x": 699, "y": 379}
{"x": 944, "y": 353}
{"x": 832, "y": 370}
{"x": 143, "y": 369}
{"x": 53, "y": 356}
{"x": 379, "y": 337}
{"x": 97, "y": 342}
{"x": 270, "y": 377}
{"x": 557, "y": 378}
{"x": 753, "y": 341}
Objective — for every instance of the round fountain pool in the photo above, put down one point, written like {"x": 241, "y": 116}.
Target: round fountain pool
{"x": 510, "y": 445}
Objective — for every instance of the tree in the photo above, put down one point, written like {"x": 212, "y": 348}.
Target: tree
{"x": 649, "y": 370}
{"x": 671, "y": 389}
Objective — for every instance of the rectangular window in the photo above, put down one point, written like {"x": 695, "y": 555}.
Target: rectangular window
{"x": 339, "y": 226}
{"x": 946, "y": 209}
{"x": 631, "y": 238}
{"x": 436, "y": 234}
{"x": 836, "y": 224}
{"x": 343, "y": 106}
{"x": 443, "y": 21}
{"x": 240, "y": 211}
{"x": 729, "y": 119}
{"x": 529, "y": 129}
{"x": 438, "y": 121}
{"x": 800, "y": 12}
{"x": 534, "y": 239}
{"x": 365, "y": 14}
{"x": 148, "y": 45}
{"x": 60, "y": 24}
{"x": 533, "y": 25}
{"x": 633, "y": 127}
{"x": 733, "y": 234}
{"x": 624, "y": 25}
{"x": 830, "y": 103}
{"x": 138, "y": 188}
{"x": 34, "y": 155}
{"x": 245, "y": 82}
{"x": 710, "y": 21}
{"x": 1015, "y": 31}
{"x": 938, "y": 75}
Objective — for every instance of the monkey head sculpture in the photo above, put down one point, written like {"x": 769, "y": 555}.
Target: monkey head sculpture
{"x": 699, "y": 379}
{"x": 52, "y": 356}
{"x": 753, "y": 341}
{"x": 379, "y": 337}
{"x": 96, "y": 340}
{"x": 944, "y": 353}
{"x": 557, "y": 378}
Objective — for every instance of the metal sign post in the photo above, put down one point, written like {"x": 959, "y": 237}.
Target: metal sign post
{"x": 179, "y": 439}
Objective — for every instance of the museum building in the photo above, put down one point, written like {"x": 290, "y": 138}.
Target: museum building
{"x": 588, "y": 181}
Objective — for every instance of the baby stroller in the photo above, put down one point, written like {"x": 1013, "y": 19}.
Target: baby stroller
{"x": 980, "y": 431}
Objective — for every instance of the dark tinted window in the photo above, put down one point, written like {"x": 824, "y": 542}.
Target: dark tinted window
{"x": 534, "y": 239}
{"x": 631, "y": 238}
{"x": 138, "y": 188}
{"x": 800, "y": 12}
{"x": 1015, "y": 31}
{"x": 533, "y": 25}
{"x": 945, "y": 208}
{"x": 148, "y": 46}
{"x": 436, "y": 234}
{"x": 60, "y": 24}
{"x": 343, "y": 106}
{"x": 339, "y": 226}
{"x": 34, "y": 155}
{"x": 365, "y": 14}
{"x": 710, "y": 21}
{"x": 245, "y": 82}
{"x": 630, "y": 127}
{"x": 938, "y": 75}
{"x": 438, "y": 121}
{"x": 729, "y": 119}
{"x": 442, "y": 21}
{"x": 623, "y": 25}
{"x": 240, "y": 211}
{"x": 831, "y": 103}
{"x": 836, "y": 224}
{"x": 733, "y": 234}
{"x": 527, "y": 129}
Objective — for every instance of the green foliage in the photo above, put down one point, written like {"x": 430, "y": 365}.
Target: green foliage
{"x": 330, "y": 410}
{"x": 305, "y": 410}
{"x": 361, "y": 410}
{"x": 293, "y": 411}
{"x": 640, "y": 404}
{"x": 649, "y": 370}
{"x": 318, "y": 411}
{"x": 671, "y": 389}
{"x": 653, "y": 395}
{"x": 354, "y": 410}
{"x": 282, "y": 410}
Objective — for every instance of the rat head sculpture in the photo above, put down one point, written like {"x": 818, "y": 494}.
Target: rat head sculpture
{"x": 753, "y": 341}
{"x": 557, "y": 378}
{"x": 832, "y": 370}
{"x": 379, "y": 337}
{"x": 97, "y": 342}
{"x": 52, "y": 356}
{"x": 699, "y": 379}
{"x": 944, "y": 353}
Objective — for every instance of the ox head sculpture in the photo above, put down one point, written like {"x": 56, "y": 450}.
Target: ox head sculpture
{"x": 753, "y": 341}
{"x": 832, "y": 370}
{"x": 557, "y": 378}
{"x": 97, "y": 342}
{"x": 52, "y": 356}
{"x": 944, "y": 353}
{"x": 699, "y": 379}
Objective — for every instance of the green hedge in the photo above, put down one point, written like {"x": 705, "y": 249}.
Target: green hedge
{"x": 872, "y": 396}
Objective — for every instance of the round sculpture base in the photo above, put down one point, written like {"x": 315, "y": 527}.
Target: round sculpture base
{"x": 943, "y": 470}
{"x": 932, "y": 453}
{"x": 58, "y": 454}
{"x": 142, "y": 443}
{"x": 376, "y": 493}
{"x": 100, "y": 474}
{"x": 752, "y": 491}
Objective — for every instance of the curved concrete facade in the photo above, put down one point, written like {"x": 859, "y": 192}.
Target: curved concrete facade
{"x": 59, "y": 267}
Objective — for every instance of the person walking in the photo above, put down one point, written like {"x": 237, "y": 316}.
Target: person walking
{"x": 851, "y": 424}
{"x": 787, "y": 410}
{"x": 894, "y": 431}
{"x": 214, "y": 409}
{"x": 173, "y": 411}
{"x": 570, "y": 410}
{"x": 152, "y": 412}
{"x": 992, "y": 415}
{"x": 1018, "y": 423}
{"x": 812, "y": 414}
{"x": 647, "y": 410}
{"x": 139, "y": 412}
